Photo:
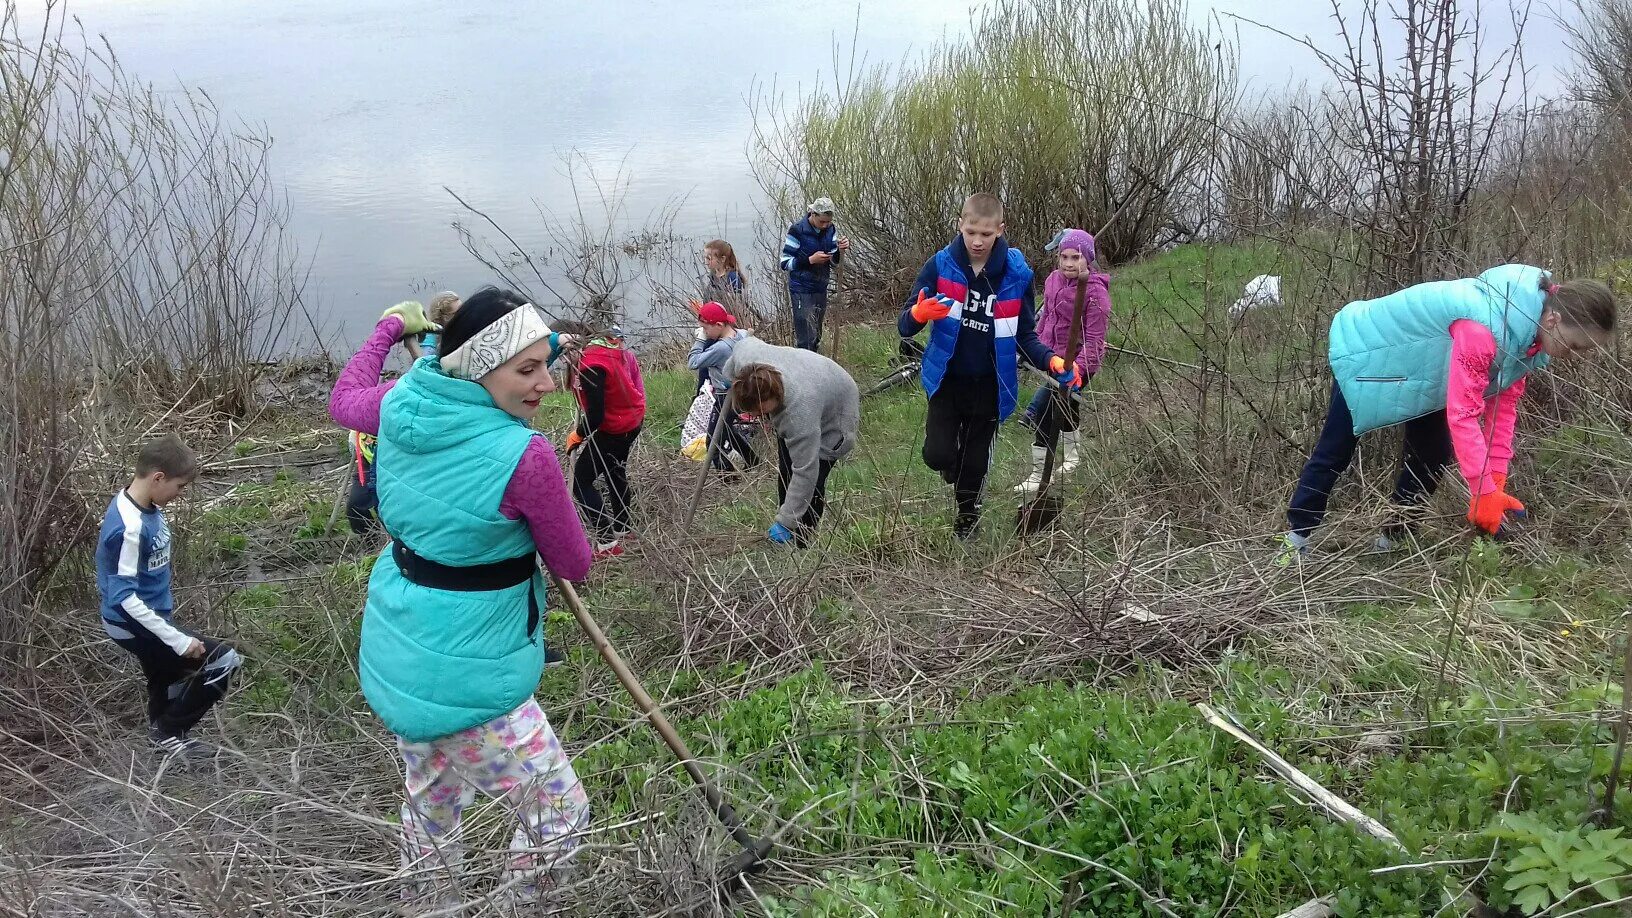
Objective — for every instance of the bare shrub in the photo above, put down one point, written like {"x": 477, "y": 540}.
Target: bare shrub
{"x": 598, "y": 248}
{"x": 1072, "y": 113}
{"x": 142, "y": 262}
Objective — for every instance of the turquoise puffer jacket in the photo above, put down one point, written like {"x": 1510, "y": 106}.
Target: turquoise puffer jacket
{"x": 434, "y": 662}
{"x": 1392, "y": 355}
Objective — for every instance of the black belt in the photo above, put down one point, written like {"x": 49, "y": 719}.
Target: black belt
{"x": 496, "y": 575}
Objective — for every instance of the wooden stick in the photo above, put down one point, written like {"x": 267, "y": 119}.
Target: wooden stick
{"x": 754, "y": 849}
{"x": 339, "y": 501}
{"x": 1334, "y": 805}
{"x": 1605, "y": 817}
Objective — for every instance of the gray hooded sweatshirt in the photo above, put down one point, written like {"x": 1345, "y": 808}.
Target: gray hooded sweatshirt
{"x": 819, "y": 417}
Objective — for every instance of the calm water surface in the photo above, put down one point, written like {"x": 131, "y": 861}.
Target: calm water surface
{"x": 375, "y": 106}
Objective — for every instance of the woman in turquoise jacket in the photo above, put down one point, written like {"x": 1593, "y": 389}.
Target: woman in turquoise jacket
{"x": 452, "y": 644}
{"x": 1448, "y": 360}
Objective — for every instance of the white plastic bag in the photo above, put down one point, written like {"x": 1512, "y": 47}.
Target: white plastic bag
{"x": 696, "y": 423}
{"x": 1263, "y": 290}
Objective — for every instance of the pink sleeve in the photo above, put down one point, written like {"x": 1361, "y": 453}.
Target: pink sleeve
{"x": 1501, "y": 417}
{"x": 354, "y": 403}
{"x": 1095, "y": 321}
{"x": 1473, "y": 349}
{"x": 537, "y": 493}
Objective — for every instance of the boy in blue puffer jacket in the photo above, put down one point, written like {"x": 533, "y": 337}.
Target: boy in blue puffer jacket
{"x": 1449, "y": 361}
{"x": 809, "y": 251}
{"x": 977, "y": 297}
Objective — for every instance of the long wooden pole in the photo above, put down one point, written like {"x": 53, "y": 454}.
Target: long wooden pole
{"x": 754, "y": 849}
{"x": 708, "y": 460}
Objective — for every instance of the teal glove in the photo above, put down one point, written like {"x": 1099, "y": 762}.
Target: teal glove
{"x": 414, "y": 320}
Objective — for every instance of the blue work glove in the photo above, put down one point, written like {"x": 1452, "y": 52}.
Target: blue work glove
{"x": 1064, "y": 375}
{"x": 780, "y": 534}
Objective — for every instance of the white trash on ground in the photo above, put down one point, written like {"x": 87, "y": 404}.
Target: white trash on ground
{"x": 1263, "y": 290}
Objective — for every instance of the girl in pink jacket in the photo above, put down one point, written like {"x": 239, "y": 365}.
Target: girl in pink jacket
{"x": 1074, "y": 266}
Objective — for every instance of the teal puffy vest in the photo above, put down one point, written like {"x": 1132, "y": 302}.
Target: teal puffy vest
{"x": 1392, "y": 356}
{"x": 434, "y": 662}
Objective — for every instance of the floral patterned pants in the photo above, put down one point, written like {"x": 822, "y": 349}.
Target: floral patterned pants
{"x": 515, "y": 758}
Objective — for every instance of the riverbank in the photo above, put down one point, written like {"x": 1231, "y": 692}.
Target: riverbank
{"x": 932, "y": 728}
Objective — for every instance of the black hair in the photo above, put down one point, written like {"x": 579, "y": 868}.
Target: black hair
{"x": 480, "y": 309}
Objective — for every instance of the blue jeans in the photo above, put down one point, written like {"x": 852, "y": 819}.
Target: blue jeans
{"x": 808, "y": 310}
{"x": 1427, "y": 452}
{"x": 1039, "y": 400}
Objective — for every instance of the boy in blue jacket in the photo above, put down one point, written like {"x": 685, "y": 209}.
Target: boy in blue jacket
{"x": 977, "y": 297}
{"x": 809, "y": 251}
{"x": 186, "y": 673}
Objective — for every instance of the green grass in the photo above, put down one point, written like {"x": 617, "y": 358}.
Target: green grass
{"x": 922, "y": 799}
{"x": 1169, "y": 802}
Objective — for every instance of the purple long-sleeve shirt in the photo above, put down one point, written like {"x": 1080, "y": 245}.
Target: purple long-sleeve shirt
{"x": 537, "y": 491}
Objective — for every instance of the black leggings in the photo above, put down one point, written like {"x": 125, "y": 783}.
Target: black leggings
{"x": 959, "y": 434}
{"x": 604, "y": 457}
{"x": 733, "y": 440}
{"x": 818, "y": 498}
{"x": 362, "y": 502}
{"x": 180, "y": 691}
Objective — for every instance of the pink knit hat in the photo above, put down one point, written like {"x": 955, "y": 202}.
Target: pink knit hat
{"x": 1081, "y": 240}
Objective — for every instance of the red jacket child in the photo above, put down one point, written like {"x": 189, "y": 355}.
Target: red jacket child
{"x": 609, "y": 390}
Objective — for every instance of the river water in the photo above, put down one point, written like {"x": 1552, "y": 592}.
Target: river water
{"x": 375, "y": 106}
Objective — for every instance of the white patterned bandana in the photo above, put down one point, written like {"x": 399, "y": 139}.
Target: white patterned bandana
{"x": 514, "y": 332}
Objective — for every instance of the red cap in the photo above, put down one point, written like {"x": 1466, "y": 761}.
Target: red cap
{"x": 713, "y": 313}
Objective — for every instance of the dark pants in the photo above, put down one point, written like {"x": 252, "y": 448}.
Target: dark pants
{"x": 808, "y": 311}
{"x": 959, "y": 434}
{"x": 362, "y": 502}
{"x": 1427, "y": 452}
{"x": 734, "y": 441}
{"x": 180, "y": 691}
{"x": 604, "y": 457}
{"x": 818, "y": 498}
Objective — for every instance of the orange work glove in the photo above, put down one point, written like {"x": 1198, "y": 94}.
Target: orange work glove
{"x": 574, "y": 440}
{"x": 1489, "y": 511}
{"x": 929, "y": 308}
{"x": 1073, "y": 376}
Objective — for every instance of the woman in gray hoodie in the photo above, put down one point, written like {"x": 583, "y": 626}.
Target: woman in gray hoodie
{"x": 815, "y": 408}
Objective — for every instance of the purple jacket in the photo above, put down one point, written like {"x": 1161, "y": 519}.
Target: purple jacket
{"x": 1054, "y": 325}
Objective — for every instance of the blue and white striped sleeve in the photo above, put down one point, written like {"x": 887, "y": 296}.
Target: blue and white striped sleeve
{"x": 790, "y": 254}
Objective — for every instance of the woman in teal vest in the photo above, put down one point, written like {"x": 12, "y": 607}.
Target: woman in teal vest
{"x": 452, "y": 644}
{"x": 1448, "y": 360}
